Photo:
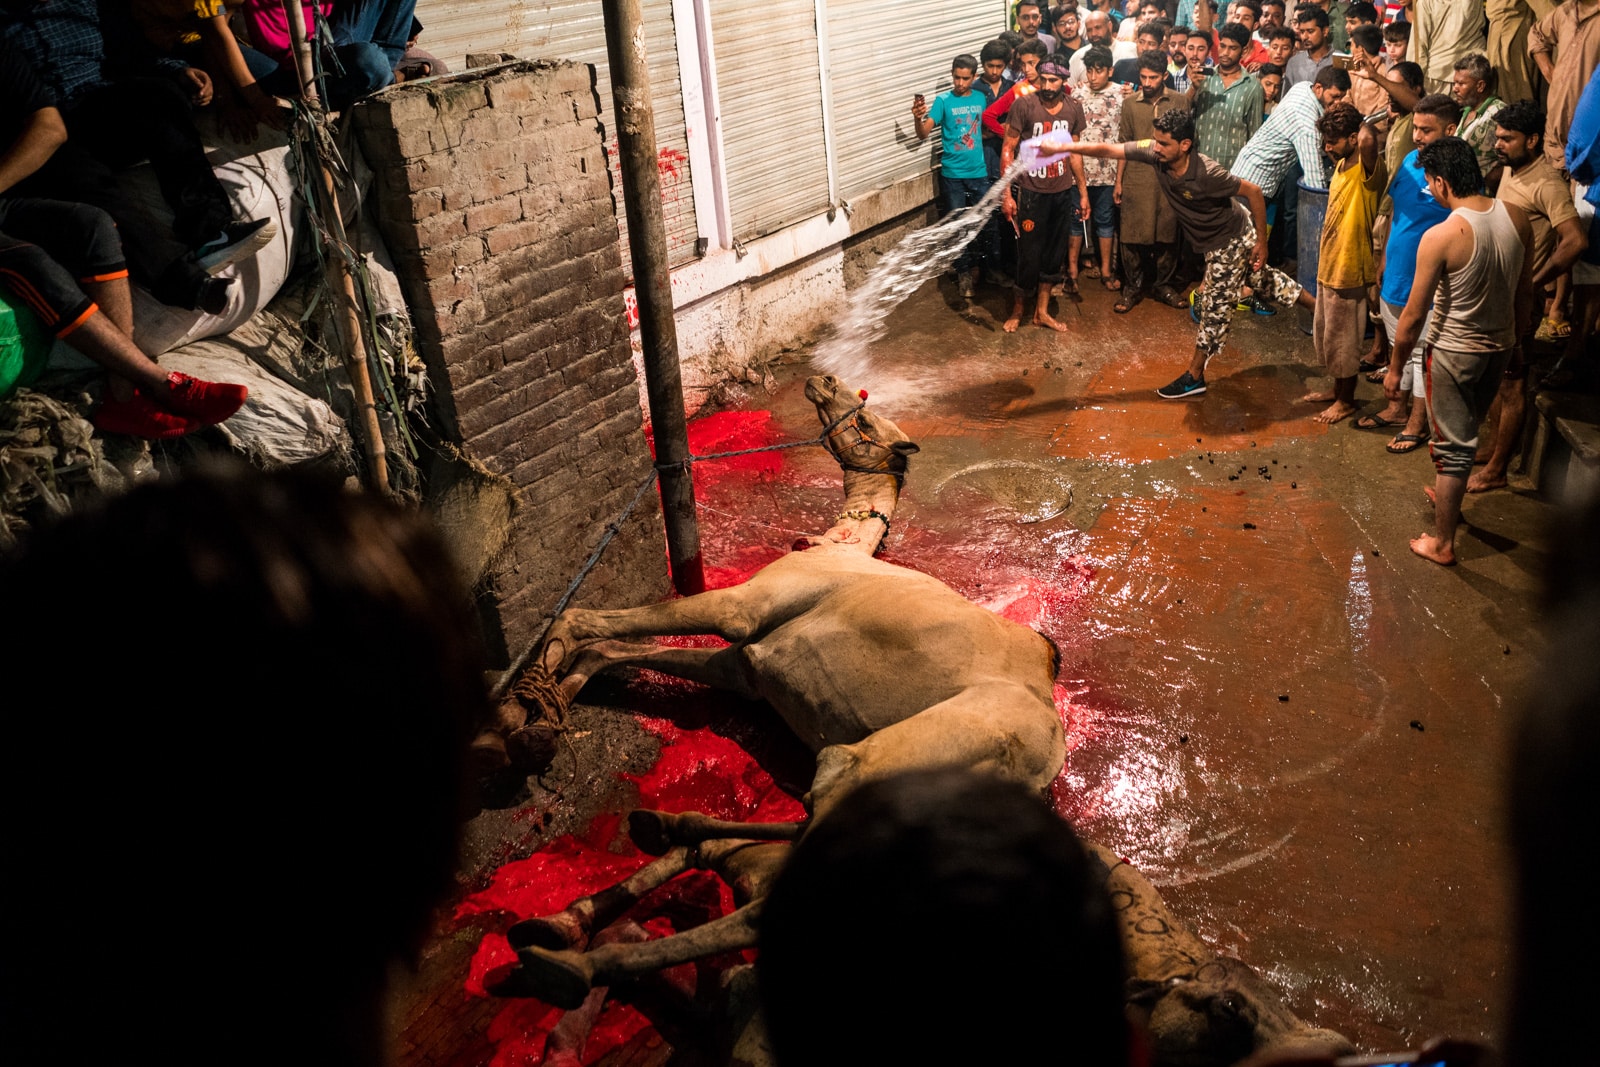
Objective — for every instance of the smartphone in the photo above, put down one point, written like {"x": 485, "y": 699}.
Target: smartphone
{"x": 1388, "y": 1059}
{"x": 1341, "y": 60}
{"x": 919, "y": 100}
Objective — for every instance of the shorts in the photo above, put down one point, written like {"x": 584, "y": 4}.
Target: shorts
{"x": 1461, "y": 386}
{"x": 1102, "y": 210}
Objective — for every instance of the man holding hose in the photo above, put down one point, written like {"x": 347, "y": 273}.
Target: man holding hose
{"x": 1206, "y": 200}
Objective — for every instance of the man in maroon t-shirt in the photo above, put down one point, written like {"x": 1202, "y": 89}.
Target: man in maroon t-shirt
{"x": 1043, "y": 207}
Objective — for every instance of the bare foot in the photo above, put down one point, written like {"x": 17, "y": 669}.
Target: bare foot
{"x": 1319, "y": 397}
{"x": 1011, "y": 324}
{"x": 1482, "y": 481}
{"x": 1334, "y": 412}
{"x": 1429, "y": 547}
{"x": 1042, "y": 319}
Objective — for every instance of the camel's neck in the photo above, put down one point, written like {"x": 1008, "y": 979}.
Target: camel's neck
{"x": 866, "y": 498}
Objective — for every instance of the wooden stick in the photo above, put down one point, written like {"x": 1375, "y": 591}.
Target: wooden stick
{"x": 348, "y": 318}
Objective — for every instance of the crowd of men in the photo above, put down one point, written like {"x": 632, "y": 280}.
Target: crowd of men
{"x": 89, "y": 89}
{"x": 1176, "y": 139}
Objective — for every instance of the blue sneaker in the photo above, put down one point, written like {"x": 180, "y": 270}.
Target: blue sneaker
{"x": 1194, "y": 305}
{"x": 1186, "y": 387}
{"x": 1256, "y": 305}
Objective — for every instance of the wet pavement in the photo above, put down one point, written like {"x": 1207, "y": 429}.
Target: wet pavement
{"x": 1290, "y": 723}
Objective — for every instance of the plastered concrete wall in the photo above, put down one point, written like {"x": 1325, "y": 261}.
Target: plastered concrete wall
{"x": 493, "y": 193}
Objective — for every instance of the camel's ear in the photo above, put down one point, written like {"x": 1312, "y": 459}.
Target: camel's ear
{"x": 905, "y": 448}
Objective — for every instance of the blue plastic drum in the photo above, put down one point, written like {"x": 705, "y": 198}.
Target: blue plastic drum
{"x": 1313, "y": 209}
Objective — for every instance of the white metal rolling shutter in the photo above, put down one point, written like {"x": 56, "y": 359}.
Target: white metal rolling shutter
{"x": 770, "y": 95}
{"x": 575, "y": 30}
{"x": 874, "y": 77}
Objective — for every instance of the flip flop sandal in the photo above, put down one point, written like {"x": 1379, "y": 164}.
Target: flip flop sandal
{"x": 1376, "y": 422}
{"x": 1377, "y": 375}
{"x": 1091, "y": 271}
{"x": 1111, "y": 284}
{"x": 1409, "y": 442}
{"x": 1126, "y": 303}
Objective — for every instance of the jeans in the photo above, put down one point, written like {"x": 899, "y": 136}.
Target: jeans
{"x": 957, "y": 193}
{"x": 369, "y": 37}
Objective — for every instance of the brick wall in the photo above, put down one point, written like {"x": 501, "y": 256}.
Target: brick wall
{"x": 493, "y": 193}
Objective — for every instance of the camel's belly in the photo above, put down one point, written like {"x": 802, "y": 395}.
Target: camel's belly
{"x": 865, "y": 658}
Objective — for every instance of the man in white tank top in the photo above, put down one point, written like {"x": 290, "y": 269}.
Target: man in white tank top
{"x": 1475, "y": 269}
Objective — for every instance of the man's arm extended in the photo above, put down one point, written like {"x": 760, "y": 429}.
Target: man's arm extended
{"x": 1398, "y": 90}
{"x": 44, "y": 133}
{"x": 1099, "y": 149}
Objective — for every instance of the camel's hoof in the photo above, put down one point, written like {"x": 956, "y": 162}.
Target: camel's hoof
{"x": 562, "y": 979}
{"x": 487, "y": 755}
{"x": 532, "y": 749}
{"x": 557, "y": 933}
{"x": 651, "y": 831}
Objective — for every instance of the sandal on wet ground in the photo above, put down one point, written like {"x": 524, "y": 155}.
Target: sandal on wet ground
{"x": 1375, "y": 421}
{"x": 1127, "y": 301}
{"x": 1406, "y": 442}
{"x": 1111, "y": 284}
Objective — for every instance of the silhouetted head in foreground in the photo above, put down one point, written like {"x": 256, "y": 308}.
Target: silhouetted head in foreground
{"x": 941, "y": 917}
{"x": 232, "y": 801}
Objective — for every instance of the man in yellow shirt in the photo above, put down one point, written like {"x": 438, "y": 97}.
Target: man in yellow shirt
{"x": 1345, "y": 266}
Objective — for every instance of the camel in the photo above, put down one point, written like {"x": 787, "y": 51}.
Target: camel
{"x": 879, "y": 669}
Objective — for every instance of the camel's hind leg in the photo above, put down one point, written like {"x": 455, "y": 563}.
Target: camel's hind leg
{"x": 580, "y": 920}
{"x": 732, "y": 614}
{"x": 566, "y": 978}
{"x": 720, "y": 668}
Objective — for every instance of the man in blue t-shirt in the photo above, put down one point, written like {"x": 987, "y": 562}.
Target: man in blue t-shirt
{"x": 1415, "y": 212}
{"x": 963, "y": 171}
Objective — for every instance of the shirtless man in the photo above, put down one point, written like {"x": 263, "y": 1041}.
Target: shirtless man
{"x": 1465, "y": 266}
{"x": 1204, "y": 196}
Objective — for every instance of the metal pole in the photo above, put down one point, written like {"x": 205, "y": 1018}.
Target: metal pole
{"x": 344, "y": 288}
{"x": 652, "y": 282}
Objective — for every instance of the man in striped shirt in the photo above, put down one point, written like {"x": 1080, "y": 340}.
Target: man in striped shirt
{"x": 1289, "y": 135}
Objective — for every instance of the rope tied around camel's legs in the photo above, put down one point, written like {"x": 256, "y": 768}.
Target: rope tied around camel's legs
{"x": 540, "y": 692}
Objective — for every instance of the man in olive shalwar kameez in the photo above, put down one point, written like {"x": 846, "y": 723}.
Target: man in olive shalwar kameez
{"x": 1149, "y": 229}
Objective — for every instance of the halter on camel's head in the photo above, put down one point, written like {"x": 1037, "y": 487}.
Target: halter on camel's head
{"x": 861, "y": 441}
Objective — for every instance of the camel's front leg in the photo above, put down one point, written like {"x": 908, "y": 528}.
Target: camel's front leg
{"x": 565, "y": 979}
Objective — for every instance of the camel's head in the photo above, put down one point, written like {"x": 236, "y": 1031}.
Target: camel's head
{"x": 1223, "y": 1014}
{"x": 859, "y": 439}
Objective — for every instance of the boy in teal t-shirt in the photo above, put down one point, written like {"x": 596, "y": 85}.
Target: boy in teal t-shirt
{"x": 963, "y": 171}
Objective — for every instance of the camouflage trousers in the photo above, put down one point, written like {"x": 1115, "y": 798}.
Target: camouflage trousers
{"x": 1227, "y": 272}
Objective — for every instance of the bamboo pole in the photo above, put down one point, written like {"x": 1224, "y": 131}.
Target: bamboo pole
{"x": 652, "y": 283}
{"x": 348, "y": 316}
